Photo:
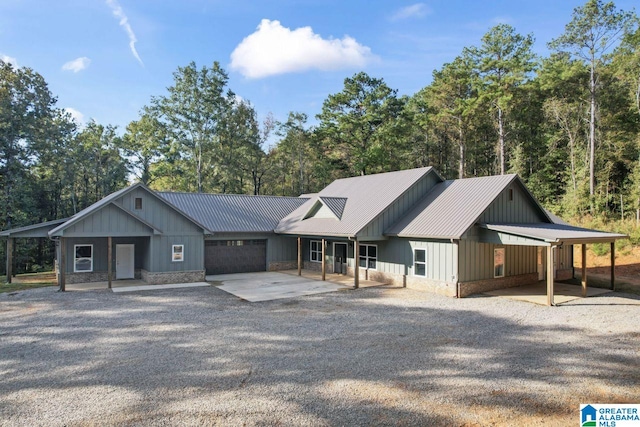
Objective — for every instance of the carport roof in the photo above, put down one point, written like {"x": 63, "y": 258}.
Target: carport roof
{"x": 35, "y": 230}
{"x": 555, "y": 233}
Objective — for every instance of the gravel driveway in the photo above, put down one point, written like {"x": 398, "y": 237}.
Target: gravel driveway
{"x": 376, "y": 356}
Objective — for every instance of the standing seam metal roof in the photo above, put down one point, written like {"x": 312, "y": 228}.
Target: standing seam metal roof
{"x": 234, "y": 212}
{"x": 367, "y": 197}
{"x": 555, "y": 232}
{"x": 335, "y": 205}
{"x": 450, "y": 208}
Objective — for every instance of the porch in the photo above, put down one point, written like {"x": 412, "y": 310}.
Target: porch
{"x": 338, "y": 279}
{"x": 537, "y": 293}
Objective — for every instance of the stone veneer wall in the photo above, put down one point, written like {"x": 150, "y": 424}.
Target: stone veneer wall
{"x": 283, "y": 265}
{"x": 478, "y": 286}
{"x": 173, "y": 277}
{"x": 94, "y": 276}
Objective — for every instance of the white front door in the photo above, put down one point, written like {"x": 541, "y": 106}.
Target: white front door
{"x": 125, "y": 261}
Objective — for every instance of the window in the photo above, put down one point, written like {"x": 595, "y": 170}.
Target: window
{"x": 498, "y": 262}
{"x": 511, "y": 194}
{"x": 82, "y": 258}
{"x": 138, "y": 203}
{"x": 177, "y": 253}
{"x": 316, "y": 251}
{"x": 420, "y": 262}
{"x": 368, "y": 256}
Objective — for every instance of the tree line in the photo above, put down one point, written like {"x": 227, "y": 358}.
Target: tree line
{"x": 568, "y": 123}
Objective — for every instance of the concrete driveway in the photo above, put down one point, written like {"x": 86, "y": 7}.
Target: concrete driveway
{"x": 267, "y": 286}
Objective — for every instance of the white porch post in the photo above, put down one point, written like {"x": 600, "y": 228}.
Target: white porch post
{"x": 550, "y": 272}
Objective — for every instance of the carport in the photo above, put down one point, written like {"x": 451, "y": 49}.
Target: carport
{"x": 551, "y": 237}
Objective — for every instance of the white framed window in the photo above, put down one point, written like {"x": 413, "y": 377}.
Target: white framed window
{"x": 177, "y": 253}
{"x": 368, "y": 255}
{"x": 315, "y": 254}
{"x": 419, "y": 262}
{"x": 82, "y": 258}
{"x": 498, "y": 262}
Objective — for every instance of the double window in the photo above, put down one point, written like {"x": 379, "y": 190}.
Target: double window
{"x": 420, "y": 262}
{"x": 82, "y": 258}
{"x": 316, "y": 251}
{"x": 177, "y": 253}
{"x": 368, "y": 256}
{"x": 498, "y": 262}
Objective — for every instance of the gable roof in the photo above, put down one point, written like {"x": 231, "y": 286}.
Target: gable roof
{"x": 453, "y": 206}
{"x": 32, "y": 230}
{"x": 364, "y": 198}
{"x": 109, "y": 200}
{"x": 335, "y": 205}
{"x": 234, "y": 213}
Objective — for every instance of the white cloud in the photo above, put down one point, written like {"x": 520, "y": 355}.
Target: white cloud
{"x": 124, "y": 23}
{"x": 417, "y": 10}
{"x": 9, "y": 60}
{"x": 76, "y": 115}
{"x": 273, "y": 49}
{"x": 77, "y": 64}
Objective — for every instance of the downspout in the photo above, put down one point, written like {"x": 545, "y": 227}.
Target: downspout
{"x": 456, "y": 266}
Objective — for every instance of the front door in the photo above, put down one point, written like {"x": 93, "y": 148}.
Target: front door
{"x": 340, "y": 258}
{"x": 125, "y": 261}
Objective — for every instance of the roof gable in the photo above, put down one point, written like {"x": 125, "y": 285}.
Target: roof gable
{"x": 109, "y": 220}
{"x": 362, "y": 199}
{"x": 454, "y": 206}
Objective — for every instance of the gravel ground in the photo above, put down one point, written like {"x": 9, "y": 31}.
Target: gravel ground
{"x": 369, "y": 357}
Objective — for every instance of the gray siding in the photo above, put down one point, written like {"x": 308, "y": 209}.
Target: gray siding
{"x": 400, "y": 207}
{"x": 395, "y": 256}
{"x": 100, "y": 250}
{"x": 519, "y": 210}
{"x": 108, "y": 221}
{"x": 476, "y": 260}
{"x": 161, "y": 251}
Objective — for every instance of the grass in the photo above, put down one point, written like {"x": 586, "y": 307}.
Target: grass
{"x": 29, "y": 281}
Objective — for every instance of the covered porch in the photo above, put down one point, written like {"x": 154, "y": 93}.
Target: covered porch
{"x": 551, "y": 237}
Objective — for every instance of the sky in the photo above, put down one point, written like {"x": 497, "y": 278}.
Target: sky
{"x": 106, "y": 59}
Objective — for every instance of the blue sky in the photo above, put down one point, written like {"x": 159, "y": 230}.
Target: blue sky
{"x": 105, "y": 59}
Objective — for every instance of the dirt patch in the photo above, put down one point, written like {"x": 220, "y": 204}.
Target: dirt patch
{"x": 627, "y": 266}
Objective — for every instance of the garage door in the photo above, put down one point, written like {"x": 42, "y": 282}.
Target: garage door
{"x": 235, "y": 256}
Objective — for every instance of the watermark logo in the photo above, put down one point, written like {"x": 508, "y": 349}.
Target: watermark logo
{"x": 599, "y": 415}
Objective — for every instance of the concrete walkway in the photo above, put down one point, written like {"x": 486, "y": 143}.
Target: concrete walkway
{"x": 133, "y": 285}
{"x": 537, "y": 293}
{"x": 267, "y": 286}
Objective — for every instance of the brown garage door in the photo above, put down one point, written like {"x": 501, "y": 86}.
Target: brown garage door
{"x": 235, "y": 256}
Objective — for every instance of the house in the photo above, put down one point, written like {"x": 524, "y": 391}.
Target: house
{"x": 411, "y": 228}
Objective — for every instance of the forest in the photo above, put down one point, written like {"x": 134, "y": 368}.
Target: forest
{"x": 567, "y": 123}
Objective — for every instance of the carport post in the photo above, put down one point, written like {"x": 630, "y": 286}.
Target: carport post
{"x": 299, "y": 256}
{"x": 550, "y": 275}
{"x": 324, "y": 264}
{"x": 356, "y": 264}
{"x": 584, "y": 270}
{"x": 9, "y": 258}
{"x": 109, "y": 260}
{"x": 62, "y": 265}
{"x": 613, "y": 265}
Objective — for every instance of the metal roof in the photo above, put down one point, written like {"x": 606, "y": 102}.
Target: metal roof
{"x": 234, "y": 212}
{"x": 366, "y": 198}
{"x": 335, "y": 205}
{"x": 555, "y": 233}
{"x": 48, "y": 225}
{"x": 451, "y": 208}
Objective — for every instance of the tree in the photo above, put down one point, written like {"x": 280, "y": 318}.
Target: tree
{"x": 593, "y": 31}
{"x": 502, "y": 63}
{"x": 364, "y": 125}
{"x": 144, "y": 141}
{"x": 192, "y": 113}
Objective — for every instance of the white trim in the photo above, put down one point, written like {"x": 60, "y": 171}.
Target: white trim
{"x": 74, "y": 259}
{"x": 420, "y": 262}
{"x": 367, "y": 257}
{"x": 504, "y": 262}
{"x": 173, "y": 253}
{"x": 317, "y": 251}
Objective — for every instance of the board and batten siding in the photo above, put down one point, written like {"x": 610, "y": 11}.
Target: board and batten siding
{"x": 401, "y": 206}
{"x": 520, "y": 210}
{"x": 476, "y": 260}
{"x": 395, "y": 256}
{"x": 108, "y": 221}
{"x": 100, "y": 263}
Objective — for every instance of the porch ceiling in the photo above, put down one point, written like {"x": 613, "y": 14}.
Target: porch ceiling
{"x": 554, "y": 233}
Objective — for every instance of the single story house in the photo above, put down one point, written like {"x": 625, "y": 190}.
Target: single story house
{"x": 411, "y": 228}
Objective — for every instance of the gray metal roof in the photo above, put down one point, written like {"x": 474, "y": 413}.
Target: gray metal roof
{"x": 450, "y": 208}
{"x": 555, "y": 233}
{"x": 234, "y": 212}
{"x": 46, "y": 226}
{"x": 366, "y": 198}
{"x": 335, "y": 204}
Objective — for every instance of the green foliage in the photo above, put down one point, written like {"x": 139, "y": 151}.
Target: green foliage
{"x": 600, "y": 249}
